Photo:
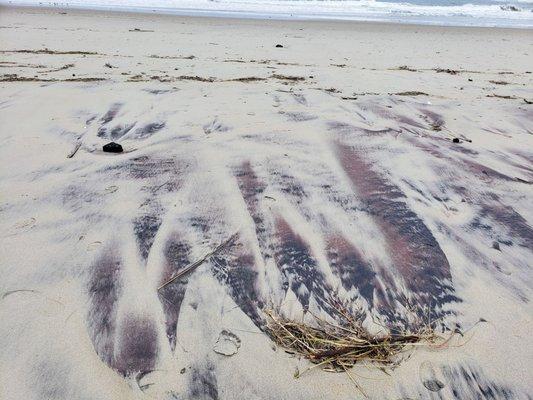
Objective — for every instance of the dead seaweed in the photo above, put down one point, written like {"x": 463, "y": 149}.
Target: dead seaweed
{"x": 247, "y": 79}
{"x": 64, "y": 67}
{"x": 335, "y": 347}
{"x": 89, "y": 79}
{"x": 191, "y": 57}
{"x": 16, "y": 78}
{"x": 195, "y": 78}
{"x": 447, "y": 71}
{"x": 48, "y": 51}
{"x": 411, "y": 93}
{"x": 288, "y": 78}
{"x": 500, "y": 96}
{"x": 406, "y": 68}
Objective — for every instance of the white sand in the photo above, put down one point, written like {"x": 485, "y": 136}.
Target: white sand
{"x": 334, "y": 159}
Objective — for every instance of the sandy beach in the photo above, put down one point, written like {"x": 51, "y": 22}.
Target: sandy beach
{"x": 390, "y": 165}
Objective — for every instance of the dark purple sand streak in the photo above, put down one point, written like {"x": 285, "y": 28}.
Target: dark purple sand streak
{"x": 299, "y": 267}
{"x": 239, "y": 274}
{"x": 292, "y": 255}
{"x": 136, "y": 350}
{"x": 104, "y": 291}
{"x": 145, "y": 228}
{"x": 467, "y": 382}
{"x": 137, "y": 339}
{"x": 415, "y": 253}
{"x": 349, "y": 265}
{"x": 137, "y": 347}
{"x": 490, "y": 204}
{"x": 177, "y": 256}
{"x": 203, "y": 382}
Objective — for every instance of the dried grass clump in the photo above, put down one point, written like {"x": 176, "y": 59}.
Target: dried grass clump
{"x": 337, "y": 347}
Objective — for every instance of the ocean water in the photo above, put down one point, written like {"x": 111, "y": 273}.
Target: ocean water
{"x": 502, "y": 13}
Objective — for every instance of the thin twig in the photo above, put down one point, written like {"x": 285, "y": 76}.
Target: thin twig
{"x": 74, "y": 150}
{"x": 199, "y": 262}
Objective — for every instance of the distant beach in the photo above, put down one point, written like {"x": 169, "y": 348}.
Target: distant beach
{"x": 172, "y": 186}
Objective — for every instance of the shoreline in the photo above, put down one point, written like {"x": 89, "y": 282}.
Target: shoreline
{"x": 237, "y": 15}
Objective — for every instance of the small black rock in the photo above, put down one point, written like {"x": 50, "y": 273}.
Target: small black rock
{"x": 456, "y": 140}
{"x": 112, "y": 147}
{"x": 279, "y": 46}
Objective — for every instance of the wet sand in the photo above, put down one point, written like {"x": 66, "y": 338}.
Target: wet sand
{"x": 390, "y": 165}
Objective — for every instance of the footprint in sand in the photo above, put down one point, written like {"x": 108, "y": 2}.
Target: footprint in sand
{"x": 428, "y": 376}
{"x": 227, "y": 343}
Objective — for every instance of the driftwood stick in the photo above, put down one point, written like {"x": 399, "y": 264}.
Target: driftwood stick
{"x": 199, "y": 262}
{"x": 74, "y": 150}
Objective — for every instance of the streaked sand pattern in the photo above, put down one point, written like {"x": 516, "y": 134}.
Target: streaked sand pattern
{"x": 336, "y": 181}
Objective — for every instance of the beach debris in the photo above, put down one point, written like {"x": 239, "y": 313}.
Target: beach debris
{"x": 288, "y": 77}
{"x": 139, "y": 30}
{"x": 247, "y": 79}
{"x": 496, "y": 246}
{"x": 64, "y": 67}
{"x": 411, "y": 93}
{"x": 456, "y": 140}
{"x": 10, "y": 292}
{"x": 107, "y": 65}
{"x": 528, "y": 101}
{"x": 337, "y": 346}
{"x": 331, "y": 90}
{"x": 48, "y": 51}
{"x": 447, "y": 71}
{"x": 194, "y": 78}
{"x": 199, "y": 262}
{"x": 88, "y": 79}
{"x": 500, "y": 96}
{"x": 499, "y": 82}
{"x": 279, "y": 46}
{"x": 428, "y": 376}
{"x": 112, "y": 147}
{"x": 227, "y": 343}
{"x": 17, "y": 78}
{"x": 407, "y": 68}
{"x": 74, "y": 150}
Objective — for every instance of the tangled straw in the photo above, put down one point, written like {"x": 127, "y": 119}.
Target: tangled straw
{"x": 339, "y": 347}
